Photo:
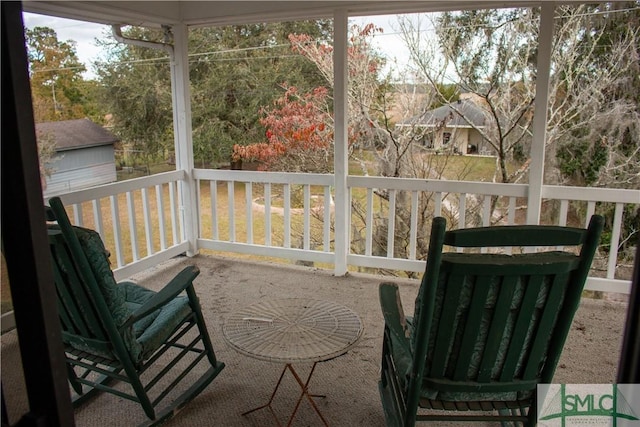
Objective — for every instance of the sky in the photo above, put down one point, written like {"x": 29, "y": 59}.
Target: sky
{"x": 84, "y": 34}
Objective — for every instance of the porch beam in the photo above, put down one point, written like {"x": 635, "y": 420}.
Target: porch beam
{"x": 340, "y": 157}
{"x": 24, "y": 242}
{"x": 182, "y": 136}
{"x": 536, "y": 168}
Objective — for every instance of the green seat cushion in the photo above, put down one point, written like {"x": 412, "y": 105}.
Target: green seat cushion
{"x": 154, "y": 329}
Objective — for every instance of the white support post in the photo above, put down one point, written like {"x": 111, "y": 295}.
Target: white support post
{"x": 341, "y": 166}
{"x": 536, "y": 168}
{"x": 182, "y": 135}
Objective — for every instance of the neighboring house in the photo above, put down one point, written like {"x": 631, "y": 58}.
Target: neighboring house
{"x": 84, "y": 155}
{"x": 452, "y": 127}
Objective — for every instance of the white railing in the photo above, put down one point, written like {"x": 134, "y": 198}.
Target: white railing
{"x": 271, "y": 214}
{"x": 143, "y": 216}
{"x": 471, "y": 204}
{"x": 291, "y": 216}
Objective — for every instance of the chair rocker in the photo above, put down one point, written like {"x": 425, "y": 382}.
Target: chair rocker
{"x": 122, "y": 338}
{"x": 487, "y": 327}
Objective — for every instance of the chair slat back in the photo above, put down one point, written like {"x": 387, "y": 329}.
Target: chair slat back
{"x": 494, "y": 321}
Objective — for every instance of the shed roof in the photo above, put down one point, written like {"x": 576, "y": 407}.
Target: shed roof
{"x": 74, "y": 134}
{"x": 463, "y": 113}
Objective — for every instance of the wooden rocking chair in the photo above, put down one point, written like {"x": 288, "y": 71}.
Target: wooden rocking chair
{"x": 487, "y": 327}
{"x": 116, "y": 333}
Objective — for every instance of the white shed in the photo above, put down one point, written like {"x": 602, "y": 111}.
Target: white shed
{"x": 84, "y": 155}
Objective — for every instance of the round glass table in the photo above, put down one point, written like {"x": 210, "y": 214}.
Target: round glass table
{"x": 293, "y": 330}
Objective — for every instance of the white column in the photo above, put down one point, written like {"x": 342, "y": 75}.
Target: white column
{"x": 182, "y": 135}
{"x": 340, "y": 166}
{"x": 536, "y": 168}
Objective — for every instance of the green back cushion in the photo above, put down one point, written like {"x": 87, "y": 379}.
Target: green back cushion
{"x": 114, "y": 295}
{"x": 122, "y": 299}
{"x": 457, "y": 331}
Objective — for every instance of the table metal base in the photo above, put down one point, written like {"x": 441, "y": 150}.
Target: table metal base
{"x": 304, "y": 387}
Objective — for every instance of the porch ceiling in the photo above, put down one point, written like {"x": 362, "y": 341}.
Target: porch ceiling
{"x": 201, "y": 13}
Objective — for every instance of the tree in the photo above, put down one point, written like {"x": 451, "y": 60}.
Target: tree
{"x": 46, "y": 155}
{"x": 606, "y": 152}
{"x": 137, "y": 93}
{"x": 56, "y": 76}
{"x": 593, "y": 128}
{"x": 234, "y": 72}
{"x": 298, "y": 139}
{"x": 491, "y": 54}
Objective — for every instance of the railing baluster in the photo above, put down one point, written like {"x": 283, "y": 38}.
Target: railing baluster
{"x": 146, "y": 213}
{"x": 231, "y": 195}
{"x": 117, "y": 238}
{"x": 133, "y": 232}
{"x": 462, "y": 210}
{"x": 350, "y": 223}
{"x": 213, "y": 191}
{"x": 172, "y": 202}
{"x": 248, "y": 195}
{"x": 161, "y": 222}
{"x": 267, "y": 214}
{"x": 486, "y": 210}
{"x": 326, "y": 220}
{"x": 368, "y": 226}
{"x": 306, "y": 245}
{"x": 413, "y": 233}
{"x": 437, "y": 209}
{"x": 97, "y": 217}
{"x": 615, "y": 240}
{"x": 77, "y": 214}
{"x": 391, "y": 224}
{"x": 591, "y": 209}
{"x": 564, "y": 212}
{"x": 199, "y": 203}
{"x": 511, "y": 215}
{"x": 287, "y": 215}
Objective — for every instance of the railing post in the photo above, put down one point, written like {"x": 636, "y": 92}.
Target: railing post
{"x": 341, "y": 167}
{"x": 536, "y": 169}
{"x": 182, "y": 135}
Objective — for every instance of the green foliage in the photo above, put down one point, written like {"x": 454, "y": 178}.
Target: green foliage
{"x": 581, "y": 160}
{"x": 137, "y": 92}
{"x": 234, "y": 72}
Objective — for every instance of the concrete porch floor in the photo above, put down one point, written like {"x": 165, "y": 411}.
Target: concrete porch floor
{"x": 349, "y": 382}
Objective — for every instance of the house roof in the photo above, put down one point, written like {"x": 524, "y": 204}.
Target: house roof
{"x": 74, "y": 134}
{"x": 463, "y": 113}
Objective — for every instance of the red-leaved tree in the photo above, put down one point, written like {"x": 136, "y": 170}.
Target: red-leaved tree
{"x": 298, "y": 138}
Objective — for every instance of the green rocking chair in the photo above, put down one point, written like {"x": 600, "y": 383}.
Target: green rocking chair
{"x": 487, "y": 327}
{"x": 116, "y": 333}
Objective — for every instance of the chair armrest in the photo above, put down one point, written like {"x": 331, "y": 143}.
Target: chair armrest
{"x": 179, "y": 283}
{"x": 394, "y": 318}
